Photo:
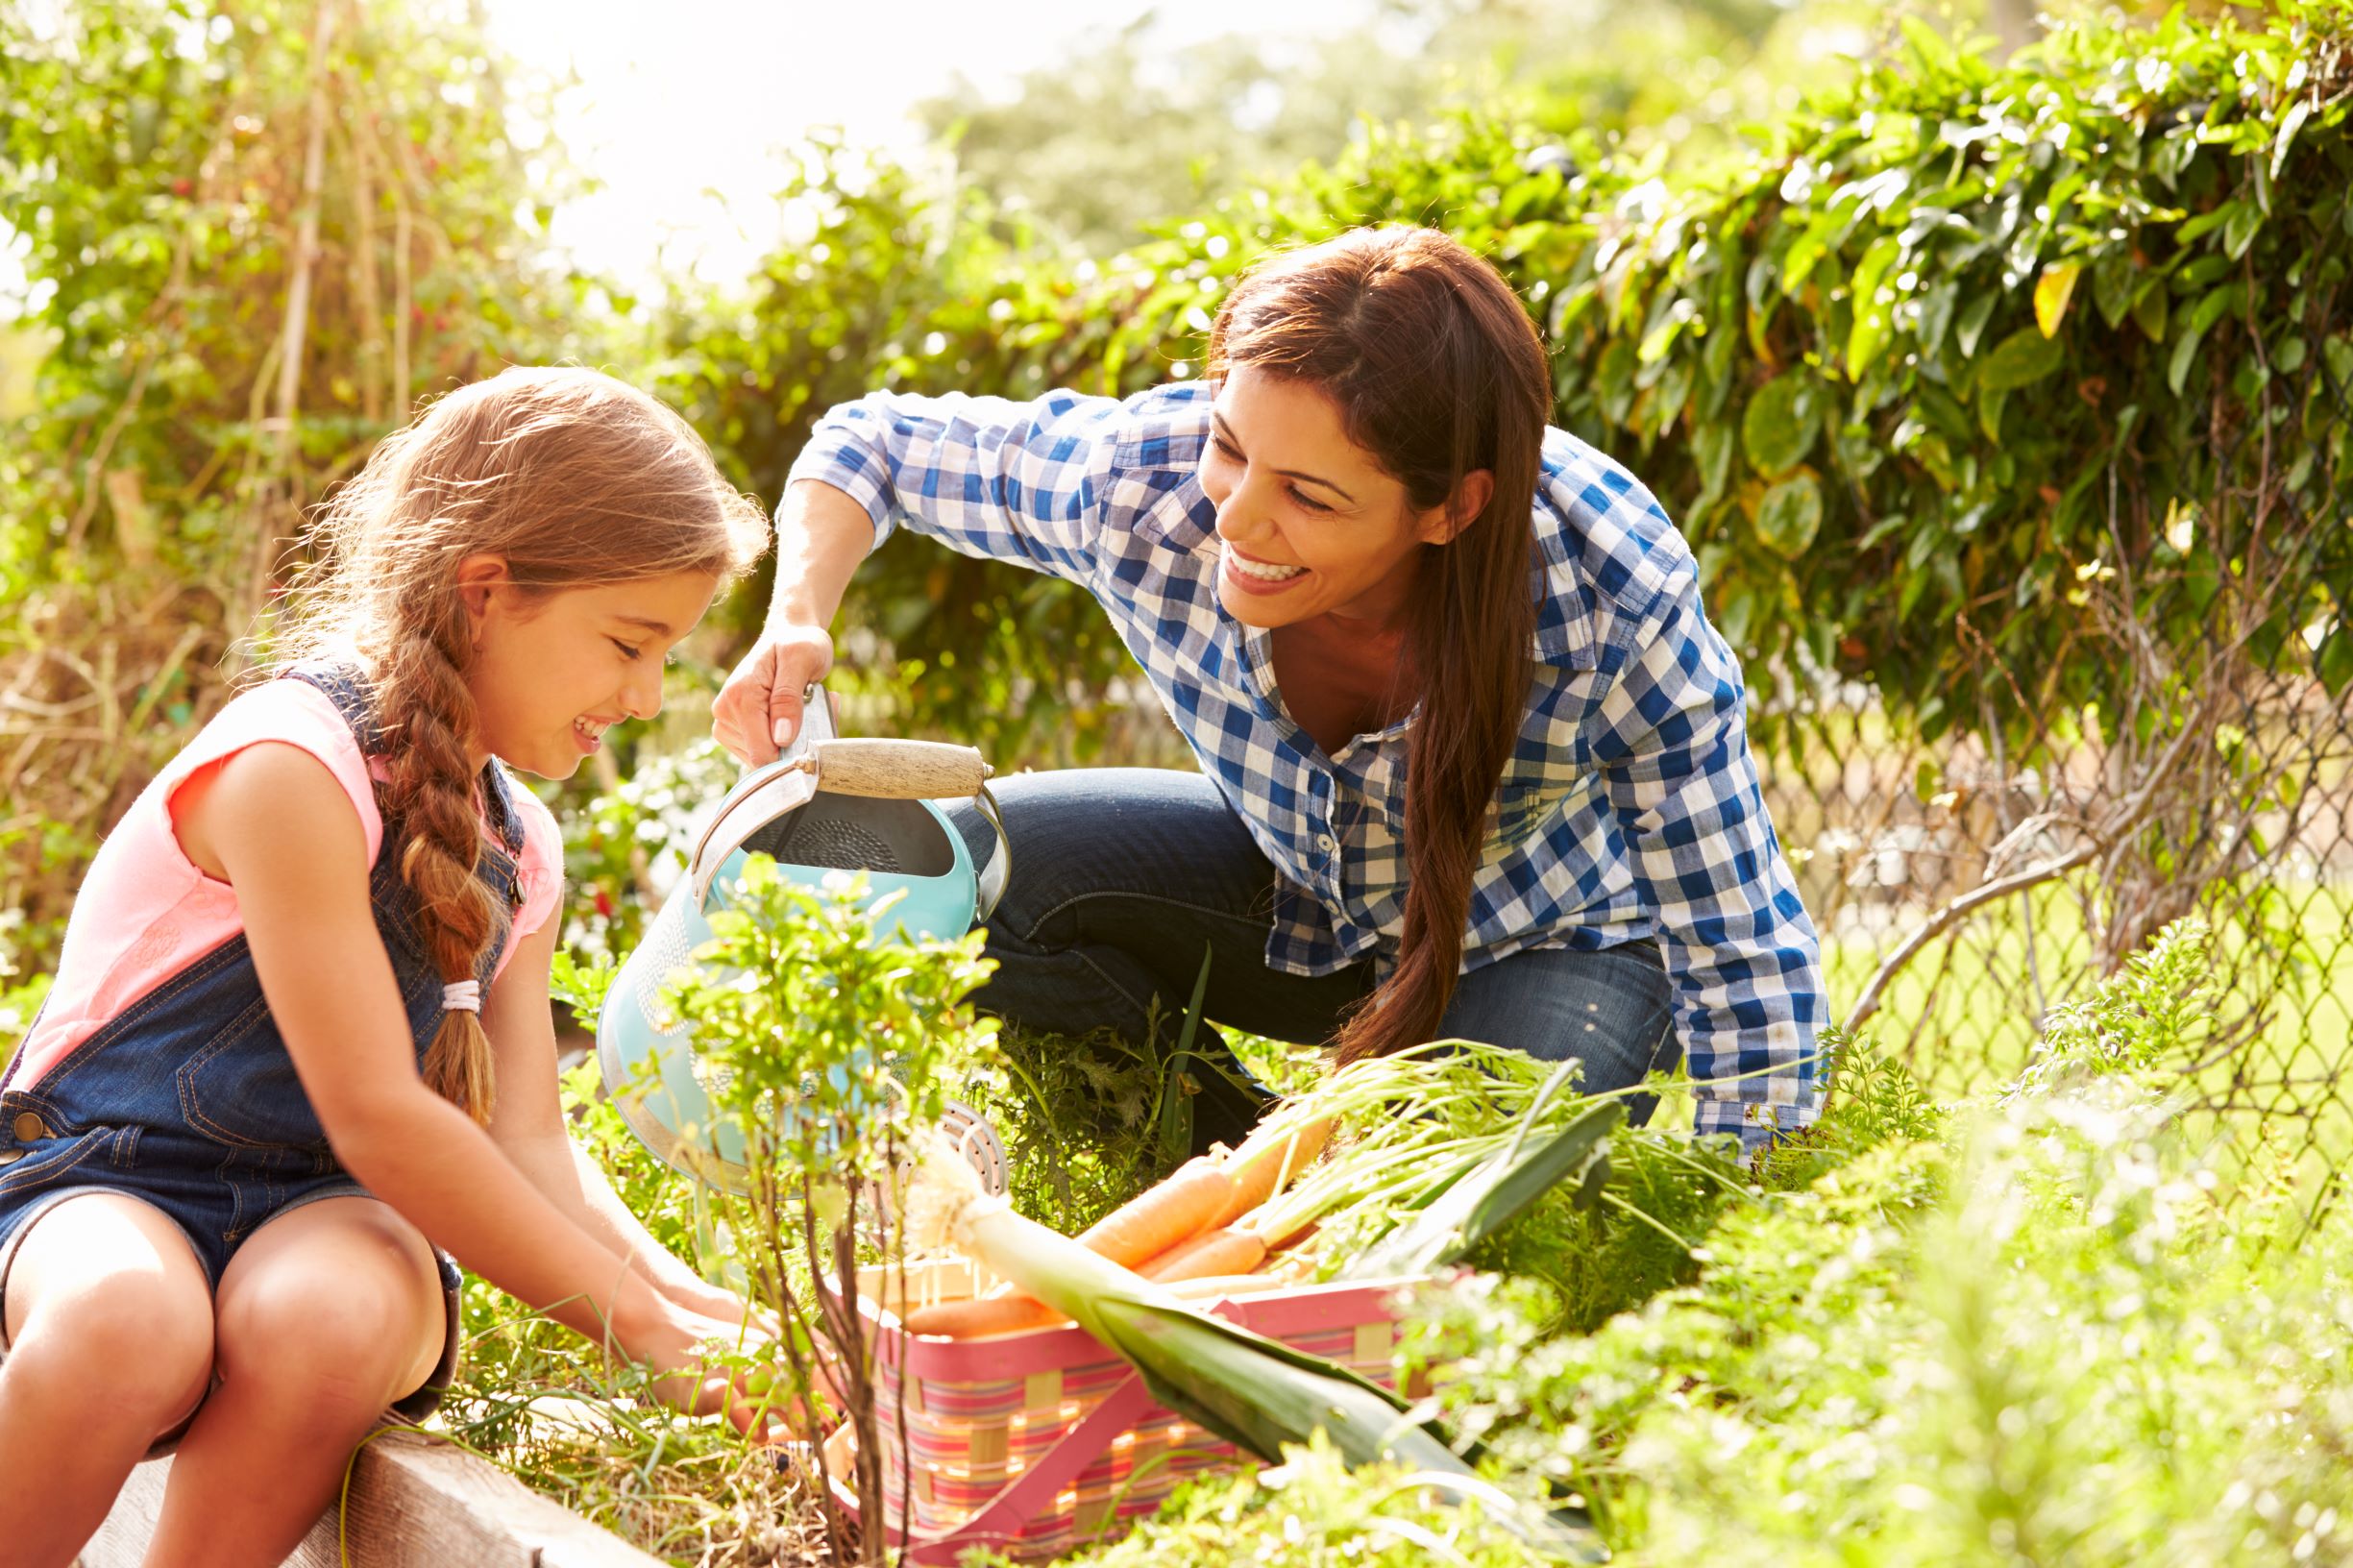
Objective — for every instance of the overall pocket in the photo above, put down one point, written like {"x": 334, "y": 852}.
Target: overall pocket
{"x": 240, "y": 1089}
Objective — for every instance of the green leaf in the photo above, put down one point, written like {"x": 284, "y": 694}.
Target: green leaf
{"x": 1713, "y": 446}
{"x": 2022, "y": 358}
{"x": 2338, "y": 353}
{"x": 1493, "y": 1193}
{"x": 2112, "y": 278}
{"x": 1776, "y": 430}
{"x": 2240, "y": 231}
{"x": 1973, "y": 317}
{"x": 1936, "y": 315}
{"x": 1790, "y": 515}
{"x": 1869, "y": 333}
{"x": 2290, "y": 124}
{"x": 2151, "y": 310}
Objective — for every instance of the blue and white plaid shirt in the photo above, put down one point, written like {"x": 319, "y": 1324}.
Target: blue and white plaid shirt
{"x": 1628, "y": 809}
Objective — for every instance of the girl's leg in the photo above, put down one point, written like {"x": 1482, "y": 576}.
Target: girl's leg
{"x": 110, "y": 1346}
{"x": 332, "y": 1312}
{"x": 1123, "y": 878}
{"x": 1608, "y": 1009}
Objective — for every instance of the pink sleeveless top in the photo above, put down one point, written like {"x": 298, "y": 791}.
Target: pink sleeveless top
{"x": 145, "y": 911}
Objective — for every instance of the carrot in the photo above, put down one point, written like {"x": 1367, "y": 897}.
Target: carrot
{"x": 1147, "y": 1226}
{"x": 1268, "y": 1161}
{"x": 979, "y": 1315}
{"x": 1150, "y": 1223}
{"x": 1212, "y": 1252}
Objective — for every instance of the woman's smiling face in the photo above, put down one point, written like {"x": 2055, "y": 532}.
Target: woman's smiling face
{"x": 1309, "y": 522}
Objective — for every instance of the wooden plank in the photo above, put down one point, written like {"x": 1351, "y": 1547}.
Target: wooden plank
{"x": 414, "y": 1503}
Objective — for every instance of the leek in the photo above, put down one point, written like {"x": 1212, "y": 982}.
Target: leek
{"x": 1252, "y": 1392}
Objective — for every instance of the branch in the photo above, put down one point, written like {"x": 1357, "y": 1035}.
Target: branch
{"x": 1869, "y": 1002}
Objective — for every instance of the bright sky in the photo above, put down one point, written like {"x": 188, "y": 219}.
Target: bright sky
{"x": 683, "y": 106}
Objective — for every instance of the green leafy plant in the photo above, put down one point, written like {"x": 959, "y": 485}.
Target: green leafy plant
{"x": 828, "y": 1041}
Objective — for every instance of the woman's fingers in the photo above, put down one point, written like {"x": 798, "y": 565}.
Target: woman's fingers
{"x": 759, "y": 710}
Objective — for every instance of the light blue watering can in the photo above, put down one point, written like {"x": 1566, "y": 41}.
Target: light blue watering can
{"x": 828, "y": 805}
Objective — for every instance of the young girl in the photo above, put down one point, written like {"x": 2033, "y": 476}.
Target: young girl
{"x": 299, "y": 1039}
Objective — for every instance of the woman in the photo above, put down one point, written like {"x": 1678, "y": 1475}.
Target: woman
{"x": 1473, "y": 760}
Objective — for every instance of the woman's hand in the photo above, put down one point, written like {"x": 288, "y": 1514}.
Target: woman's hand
{"x": 759, "y": 709}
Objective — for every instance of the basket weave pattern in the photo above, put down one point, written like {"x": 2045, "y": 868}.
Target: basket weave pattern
{"x": 1038, "y": 1443}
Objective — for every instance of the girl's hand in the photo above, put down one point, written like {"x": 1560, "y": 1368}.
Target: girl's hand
{"x": 688, "y": 1348}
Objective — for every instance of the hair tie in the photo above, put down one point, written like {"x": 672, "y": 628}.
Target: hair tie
{"x": 464, "y": 996}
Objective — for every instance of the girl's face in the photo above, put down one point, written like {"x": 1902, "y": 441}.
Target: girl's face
{"x": 1309, "y": 522}
{"x": 552, "y": 673}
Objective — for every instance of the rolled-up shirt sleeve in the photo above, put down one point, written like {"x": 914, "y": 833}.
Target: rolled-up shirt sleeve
{"x": 1672, "y": 740}
{"x": 990, "y": 476}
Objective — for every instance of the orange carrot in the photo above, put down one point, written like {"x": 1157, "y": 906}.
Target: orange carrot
{"x": 1212, "y": 1252}
{"x": 1148, "y": 1226}
{"x": 1269, "y": 1162}
{"x": 978, "y": 1315}
{"x": 1150, "y": 1223}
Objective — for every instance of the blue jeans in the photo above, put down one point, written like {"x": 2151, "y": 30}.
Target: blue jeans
{"x": 1123, "y": 878}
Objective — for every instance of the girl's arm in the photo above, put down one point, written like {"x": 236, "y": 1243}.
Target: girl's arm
{"x": 529, "y": 1126}
{"x": 274, "y": 822}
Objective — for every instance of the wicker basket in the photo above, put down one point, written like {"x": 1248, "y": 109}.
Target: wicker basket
{"x": 1036, "y": 1443}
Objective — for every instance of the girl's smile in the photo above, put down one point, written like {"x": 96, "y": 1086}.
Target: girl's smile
{"x": 553, "y": 672}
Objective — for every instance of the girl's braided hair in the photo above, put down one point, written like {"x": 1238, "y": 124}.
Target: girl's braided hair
{"x": 575, "y": 481}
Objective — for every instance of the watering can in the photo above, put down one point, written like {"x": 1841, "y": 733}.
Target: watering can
{"x": 828, "y": 805}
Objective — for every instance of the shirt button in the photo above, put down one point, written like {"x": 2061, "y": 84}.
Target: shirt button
{"x": 1324, "y": 841}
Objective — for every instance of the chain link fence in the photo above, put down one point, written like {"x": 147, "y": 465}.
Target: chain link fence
{"x": 1966, "y": 886}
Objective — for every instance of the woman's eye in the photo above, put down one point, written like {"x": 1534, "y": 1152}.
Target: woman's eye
{"x": 627, "y": 651}
{"x": 1307, "y": 502}
{"x": 1218, "y": 443}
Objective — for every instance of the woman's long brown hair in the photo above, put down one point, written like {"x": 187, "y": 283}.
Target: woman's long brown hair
{"x": 1437, "y": 372}
{"x": 575, "y": 481}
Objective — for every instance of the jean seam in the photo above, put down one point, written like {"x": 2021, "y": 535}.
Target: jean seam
{"x": 1030, "y": 935}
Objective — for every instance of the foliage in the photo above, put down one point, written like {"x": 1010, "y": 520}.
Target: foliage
{"x": 1869, "y": 1099}
{"x": 1200, "y": 120}
{"x": 828, "y": 1043}
{"x": 1868, "y": 1368}
{"x": 1312, "y": 1509}
{"x": 250, "y": 238}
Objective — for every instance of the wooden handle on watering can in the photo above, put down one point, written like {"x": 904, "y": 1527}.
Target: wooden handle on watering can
{"x": 886, "y": 769}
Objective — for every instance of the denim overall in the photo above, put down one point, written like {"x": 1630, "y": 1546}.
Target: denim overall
{"x": 189, "y": 1099}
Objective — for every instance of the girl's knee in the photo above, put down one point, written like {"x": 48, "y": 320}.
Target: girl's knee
{"x": 134, "y": 1344}
{"x": 342, "y": 1349}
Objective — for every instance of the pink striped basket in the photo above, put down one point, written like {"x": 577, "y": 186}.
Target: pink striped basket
{"x": 1036, "y": 1443}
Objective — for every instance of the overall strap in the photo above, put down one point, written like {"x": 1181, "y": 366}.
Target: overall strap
{"x": 347, "y": 688}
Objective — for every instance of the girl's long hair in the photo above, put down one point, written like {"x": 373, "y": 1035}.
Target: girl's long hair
{"x": 575, "y": 481}
{"x": 1437, "y": 372}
